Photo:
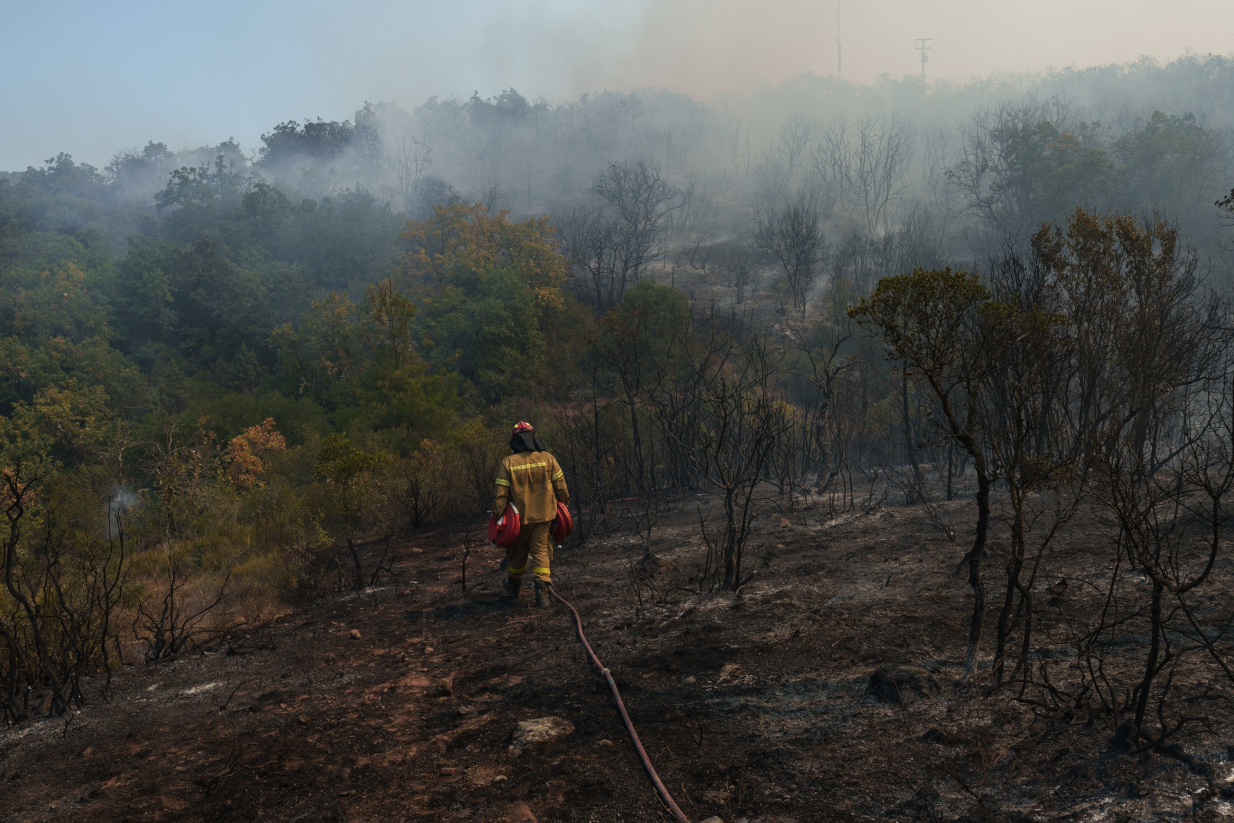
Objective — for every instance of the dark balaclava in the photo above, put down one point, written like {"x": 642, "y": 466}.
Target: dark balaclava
{"x": 526, "y": 441}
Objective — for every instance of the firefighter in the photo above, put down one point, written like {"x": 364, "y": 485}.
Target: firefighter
{"x": 530, "y": 479}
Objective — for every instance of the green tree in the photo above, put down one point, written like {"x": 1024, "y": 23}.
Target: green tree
{"x": 197, "y": 198}
{"x": 350, "y": 473}
{"x": 945, "y": 327}
{"x": 635, "y": 340}
{"x": 361, "y": 362}
{"x": 200, "y": 304}
{"x": 489, "y": 291}
{"x": 55, "y": 329}
{"x": 1170, "y": 164}
{"x": 396, "y": 387}
{"x": 1021, "y": 166}
{"x": 60, "y": 427}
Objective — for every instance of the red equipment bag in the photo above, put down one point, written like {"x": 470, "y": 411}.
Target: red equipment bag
{"x": 563, "y": 526}
{"x": 502, "y": 531}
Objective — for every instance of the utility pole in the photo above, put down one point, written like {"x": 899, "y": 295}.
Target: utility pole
{"x": 839, "y": 62}
{"x": 923, "y": 48}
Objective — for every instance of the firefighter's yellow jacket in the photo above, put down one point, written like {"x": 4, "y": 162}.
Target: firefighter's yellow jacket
{"x": 534, "y": 483}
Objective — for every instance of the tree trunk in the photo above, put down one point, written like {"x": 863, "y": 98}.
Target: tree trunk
{"x": 15, "y": 710}
{"x": 950, "y": 467}
{"x": 1150, "y": 665}
{"x": 732, "y": 563}
{"x": 1014, "y": 567}
{"x": 355, "y": 558}
{"x": 974, "y": 574}
{"x": 910, "y": 449}
{"x": 636, "y": 439}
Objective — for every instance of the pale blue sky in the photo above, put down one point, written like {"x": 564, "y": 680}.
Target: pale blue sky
{"x": 94, "y": 78}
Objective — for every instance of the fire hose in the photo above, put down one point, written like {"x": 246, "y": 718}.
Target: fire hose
{"x": 665, "y": 797}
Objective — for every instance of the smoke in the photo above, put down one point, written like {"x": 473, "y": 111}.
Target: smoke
{"x": 118, "y": 75}
{"x": 709, "y": 47}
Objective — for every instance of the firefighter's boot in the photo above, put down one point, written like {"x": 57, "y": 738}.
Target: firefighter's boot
{"x": 511, "y": 585}
{"x": 542, "y": 594}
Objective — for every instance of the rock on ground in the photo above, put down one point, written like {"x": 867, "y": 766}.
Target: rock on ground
{"x": 530, "y": 733}
{"x": 902, "y": 684}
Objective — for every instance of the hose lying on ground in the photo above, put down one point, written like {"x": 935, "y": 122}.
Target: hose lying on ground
{"x": 665, "y": 797}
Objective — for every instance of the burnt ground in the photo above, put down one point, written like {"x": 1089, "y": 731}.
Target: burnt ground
{"x": 413, "y": 719}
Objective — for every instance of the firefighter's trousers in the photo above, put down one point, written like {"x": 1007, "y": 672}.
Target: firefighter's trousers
{"x": 532, "y": 547}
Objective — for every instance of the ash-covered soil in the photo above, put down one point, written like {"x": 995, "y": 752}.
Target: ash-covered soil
{"x": 752, "y": 706}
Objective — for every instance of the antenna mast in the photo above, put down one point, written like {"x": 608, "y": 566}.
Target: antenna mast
{"x": 923, "y": 48}
{"x": 839, "y": 61}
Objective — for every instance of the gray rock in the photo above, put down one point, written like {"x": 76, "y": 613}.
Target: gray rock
{"x": 902, "y": 684}
{"x": 530, "y": 733}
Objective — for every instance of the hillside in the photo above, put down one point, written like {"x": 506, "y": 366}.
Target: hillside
{"x": 753, "y": 706}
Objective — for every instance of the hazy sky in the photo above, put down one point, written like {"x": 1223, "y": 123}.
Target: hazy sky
{"x": 90, "y": 78}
